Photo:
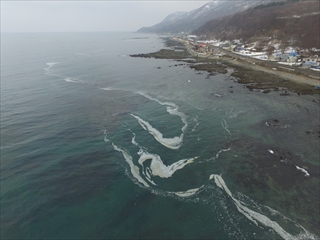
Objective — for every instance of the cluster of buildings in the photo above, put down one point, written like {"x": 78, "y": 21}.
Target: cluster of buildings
{"x": 271, "y": 52}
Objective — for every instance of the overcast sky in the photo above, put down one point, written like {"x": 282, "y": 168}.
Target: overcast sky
{"x": 75, "y": 16}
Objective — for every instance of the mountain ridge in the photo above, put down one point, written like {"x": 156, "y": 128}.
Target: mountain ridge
{"x": 297, "y": 23}
{"x": 194, "y": 19}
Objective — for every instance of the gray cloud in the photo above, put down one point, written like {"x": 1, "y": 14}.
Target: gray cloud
{"x": 75, "y": 16}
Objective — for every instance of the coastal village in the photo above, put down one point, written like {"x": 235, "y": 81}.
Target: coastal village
{"x": 265, "y": 50}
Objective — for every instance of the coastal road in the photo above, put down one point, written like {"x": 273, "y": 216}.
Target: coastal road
{"x": 271, "y": 64}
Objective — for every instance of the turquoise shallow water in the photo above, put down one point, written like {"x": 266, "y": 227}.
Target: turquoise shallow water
{"x": 96, "y": 144}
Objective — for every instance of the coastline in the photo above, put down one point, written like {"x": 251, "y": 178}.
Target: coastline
{"x": 275, "y": 175}
{"x": 253, "y": 73}
{"x": 263, "y": 66}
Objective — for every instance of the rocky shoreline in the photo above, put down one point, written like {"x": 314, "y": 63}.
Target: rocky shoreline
{"x": 278, "y": 173}
{"x": 256, "y": 77}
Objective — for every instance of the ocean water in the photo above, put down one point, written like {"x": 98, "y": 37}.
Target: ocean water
{"x": 96, "y": 144}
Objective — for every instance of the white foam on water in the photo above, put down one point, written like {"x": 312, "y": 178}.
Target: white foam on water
{"x": 148, "y": 177}
{"x": 256, "y": 217}
{"x": 233, "y": 114}
{"x": 173, "y": 143}
{"x": 50, "y": 65}
{"x": 133, "y": 140}
{"x": 306, "y": 174}
{"x": 172, "y": 109}
{"x": 157, "y": 100}
{"x": 108, "y": 89}
{"x": 158, "y": 168}
{"x": 48, "y": 71}
{"x": 134, "y": 169}
{"x": 222, "y": 150}
{"x": 189, "y": 192}
{"x": 225, "y": 125}
{"x": 70, "y": 80}
{"x": 147, "y": 172}
{"x": 217, "y": 155}
{"x": 275, "y": 212}
{"x": 270, "y": 151}
{"x": 194, "y": 128}
{"x": 106, "y": 139}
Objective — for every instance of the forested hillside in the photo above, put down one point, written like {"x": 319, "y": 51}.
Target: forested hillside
{"x": 296, "y": 23}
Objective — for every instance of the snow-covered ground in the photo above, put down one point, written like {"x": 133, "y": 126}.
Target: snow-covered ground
{"x": 250, "y": 50}
{"x": 290, "y": 64}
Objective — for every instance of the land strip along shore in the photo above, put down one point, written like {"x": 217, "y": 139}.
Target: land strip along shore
{"x": 255, "y": 74}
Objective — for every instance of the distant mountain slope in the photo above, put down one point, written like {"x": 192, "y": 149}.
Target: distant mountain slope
{"x": 174, "y": 16}
{"x": 297, "y": 22}
{"x": 192, "y": 20}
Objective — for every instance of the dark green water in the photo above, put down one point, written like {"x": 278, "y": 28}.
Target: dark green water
{"x": 98, "y": 145}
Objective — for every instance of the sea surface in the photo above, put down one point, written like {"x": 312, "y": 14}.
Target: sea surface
{"x": 96, "y": 144}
